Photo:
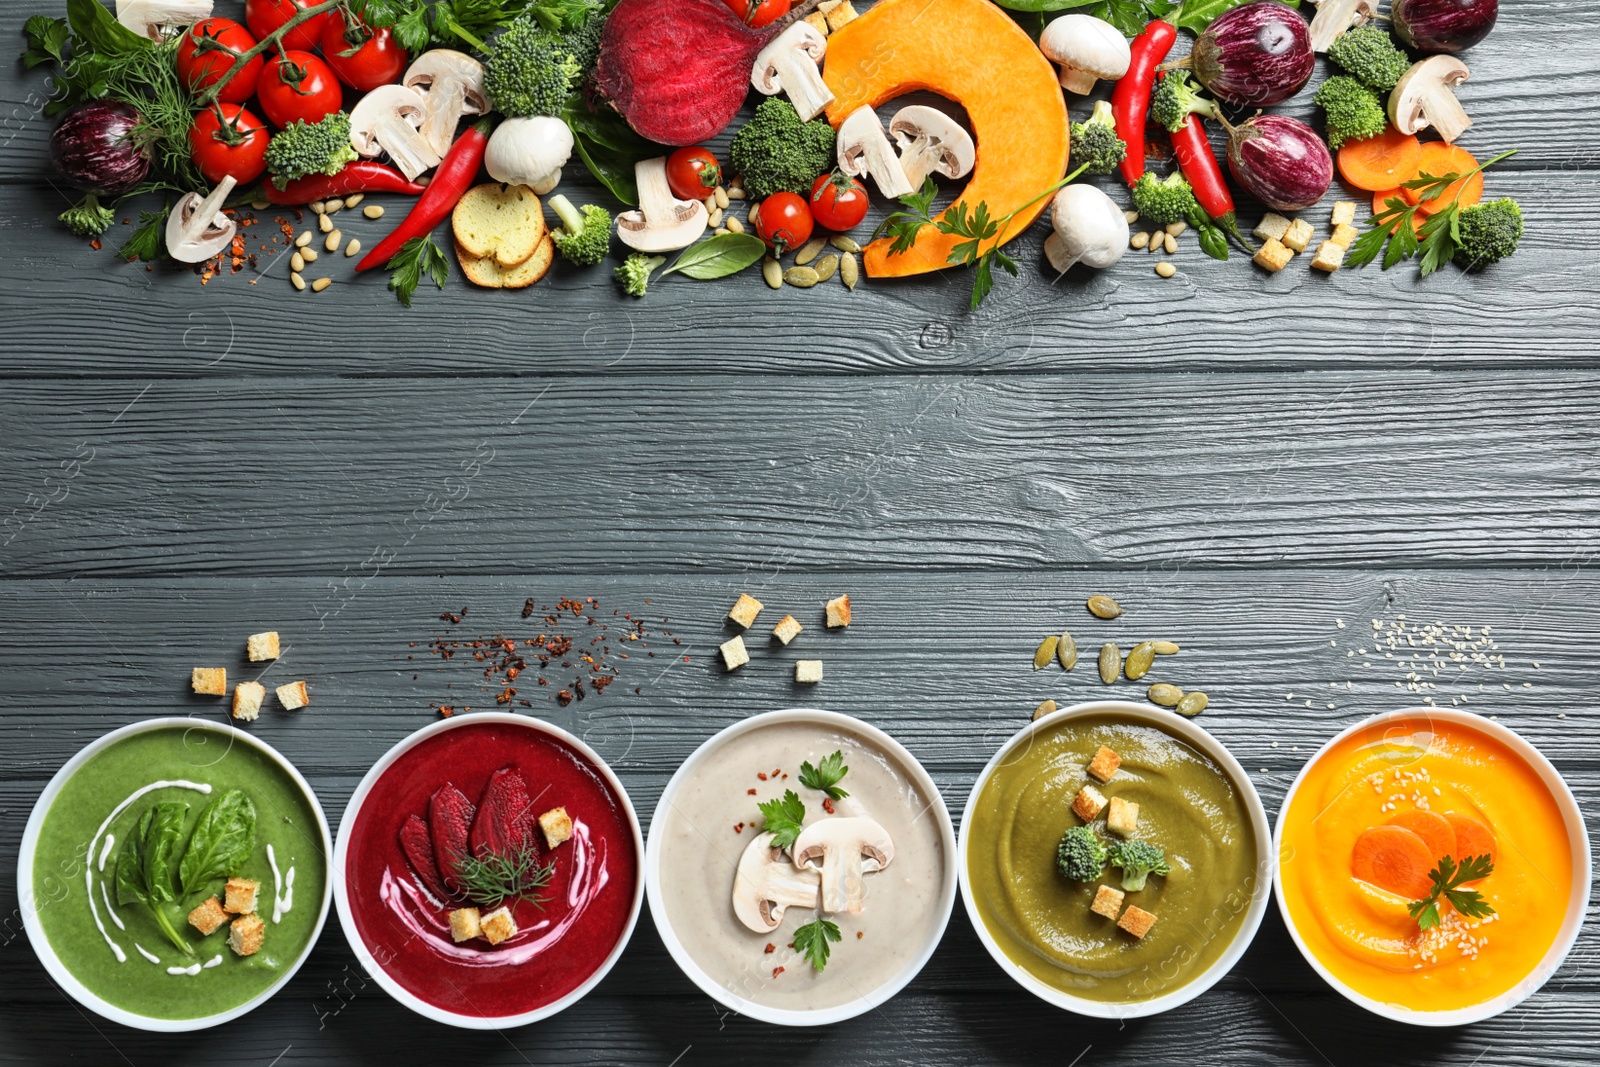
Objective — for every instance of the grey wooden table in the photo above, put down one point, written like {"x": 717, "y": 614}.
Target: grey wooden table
{"x": 1258, "y": 467}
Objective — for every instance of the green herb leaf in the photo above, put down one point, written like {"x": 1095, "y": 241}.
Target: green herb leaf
{"x": 1130, "y": 16}
{"x": 47, "y": 38}
{"x": 416, "y": 257}
{"x": 811, "y": 941}
{"x": 130, "y": 866}
{"x": 1437, "y": 237}
{"x": 100, "y": 30}
{"x": 904, "y": 226}
{"x": 144, "y": 867}
{"x": 1447, "y": 882}
{"x": 161, "y": 844}
{"x": 1196, "y": 15}
{"x": 145, "y": 242}
{"x": 718, "y": 256}
{"x": 224, "y": 837}
{"x": 783, "y": 818}
{"x": 608, "y": 147}
{"x": 825, "y": 776}
{"x": 491, "y": 880}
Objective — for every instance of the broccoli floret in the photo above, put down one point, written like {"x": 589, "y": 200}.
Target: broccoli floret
{"x": 1080, "y": 855}
{"x": 530, "y": 70}
{"x": 1489, "y": 233}
{"x": 634, "y": 274}
{"x": 776, "y": 151}
{"x": 302, "y": 148}
{"x": 1175, "y": 98}
{"x": 1095, "y": 144}
{"x": 88, "y": 218}
{"x": 1354, "y": 111}
{"x": 1163, "y": 200}
{"x": 583, "y": 39}
{"x": 1370, "y": 54}
{"x": 584, "y": 236}
{"x": 1138, "y": 861}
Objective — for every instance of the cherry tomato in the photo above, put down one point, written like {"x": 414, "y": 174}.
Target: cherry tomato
{"x": 375, "y": 58}
{"x": 234, "y": 143}
{"x": 759, "y": 12}
{"x": 298, "y": 87}
{"x": 838, "y": 201}
{"x": 264, "y": 16}
{"x": 223, "y": 40}
{"x": 693, "y": 173}
{"x": 784, "y": 222}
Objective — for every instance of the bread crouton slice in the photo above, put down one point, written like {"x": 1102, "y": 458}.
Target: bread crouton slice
{"x": 745, "y": 610}
{"x": 788, "y": 629}
{"x": 1104, "y": 764}
{"x": 1298, "y": 236}
{"x": 1344, "y": 235}
{"x": 1088, "y": 804}
{"x": 1136, "y": 921}
{"x": 293, "y": 696}
{"x": 246, "y": 934}
{"x": 1273, "y": 255}
{"x": 557, "y": 826}
{"x": 262, "y": 646}
{"x": 817, "y": 21}
{"x": 1329, "y": 257}
{"x": 1124, "y": 817}
{"x": 808, "y": 671}
{"x": 838, "y": 612}
{"x": 1107, "y": 902}
{"x": 498, "y": 925}
{"x": 247, "y": 698}
{"x": 209, "y": 681}
{"x": 1344, "y": 213}
{"x": 1273, "y": 227}
{"x": 239, "y": 895}
{"x": 841, "y": 14}
{"x": 464, "y": 924}
{"x": 734, "y": 654}
{"x": 208, "y": 916}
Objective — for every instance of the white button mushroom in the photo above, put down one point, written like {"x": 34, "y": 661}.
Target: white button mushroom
{"x": 931, "y": 142}
{"x": 662, "y": 222}
{"x": 788, "y": 64}
{"x": 1425, "y": 96}
{"x": 864, "y": 149}
{"x": 1334, "y": 17}
{"x": 766, "y": 883}
{"x": 1089, "y": 228}
{"x": 388, "y": 119}
{"x": 157, "y": 18}
{"x": 1087, "y": 49}
{"x": 451, "y": 86}
{"x": 529, "y": 151}
{"x": 843, "y": 848}
{"x": 197, "y": 229}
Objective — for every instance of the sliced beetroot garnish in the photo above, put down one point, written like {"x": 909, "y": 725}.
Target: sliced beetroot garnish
{"x": 417, "y": 843}
{"x": 449, "y": 819}
{"x": 505, "y": 816}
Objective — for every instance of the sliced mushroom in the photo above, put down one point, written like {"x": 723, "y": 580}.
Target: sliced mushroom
{"x": 766, "y": 883}
{"x": 865, "y": 149}
{"x": 662, "y": 222}
{"x": 931, "y": 141}
{"x": 788, "y": 64}
{"x": 1334, "y": 17}
{"x": 388, "y": 119}
{"x": 1087, "y": 49}
{"x": 156, "y": 19}
{"x": 843, "y": 850}
{"x": 197, "y": 229}
{"x": 1425, "y": 96}
{"x": 451, "y": 86}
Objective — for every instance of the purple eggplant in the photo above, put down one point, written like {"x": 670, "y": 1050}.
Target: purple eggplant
{"x": 98, "y": 148}
{"x": 1281, "y": 161}
{"x": 1443, "y": 25}
{"x": 1257, "y": 54}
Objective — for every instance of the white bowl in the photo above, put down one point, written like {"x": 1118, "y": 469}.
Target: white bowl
{"x": 869, "y": 999}
{"x": 1260, "y": 829}
{"x": 341, "y": 892}
{"x": 1577, "y": 901}
{"x": 30, "y": 843}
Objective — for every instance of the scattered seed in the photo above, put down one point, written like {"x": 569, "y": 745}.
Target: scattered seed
{"x": 771, "y": 272}
{"x": 333, "y": 239}
{"x": 801, "y": 277}
{"x": 720, "y": 230}
{"x": 297, "y": 262}
{"x": 1110, "y": 663}
{"x": 321, "y": 284}
{"x": 849, "y": 270}
{"x": 1170, "y": 243}
{"x": 810, "y": 250}
{"x": 1045, "y": 652}
{"x": 1166, "y": 269}
{"x": 1139, "y": 660}
{"x": 827, "y": 266}
{"x": 303, "y": 240}
{"x": 1193, "y": 704}
{"x": 1067, "y": 652}
{"x": 844, "y": 243}
{"x": 308, "y": 254}
{"x": 1155, "y": 242}
{"x": 260, "y": 205}
{"x": 1045, "y": 708}
{"x": 296, "y": 280}
{"x": 1139, "y": 240}
{"x": 1165, "y": 648}
{"x": 332, "y": 207}
{"x": 1165, "y": 695}
{"x": 354, "y": 199}
{"x": 710, "y": 202}
{"x": 316, "y": 207}
{"x": 715, "y": 221}
{"x": 324, "y": 223}
{"x": 352, "y": 248}
{"x": 1131, "y": 216}
{"x": 1103, "y": 607}
{"x": 1176, "y": 228}
{"x": 373, "y": 211}
{"x": 735, "y": 225}
{"x": 735, "y": 192}
{"x": 722, "y": 197}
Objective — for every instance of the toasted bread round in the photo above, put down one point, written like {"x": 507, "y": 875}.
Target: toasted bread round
{"x": 503, "y": 221}
{"x": 485, "y": 272}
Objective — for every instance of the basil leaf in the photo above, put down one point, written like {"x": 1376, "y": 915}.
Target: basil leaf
{"x": 719, "y": 256}
{"x": 223, "y": 838}
{"x": 130, "y": 866}
{"x": 1043, "y": 5}
{"x": 609, "y": 147}
{"x": 1198, "y": 14}
{"x": 161, "y": 842}
{"x": 1130, "y": 16}
{"x": 100, "y": 30}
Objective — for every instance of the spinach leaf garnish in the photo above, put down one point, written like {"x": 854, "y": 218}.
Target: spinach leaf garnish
{"x": 144, "y": 867}
{"x": 223, "y": 838}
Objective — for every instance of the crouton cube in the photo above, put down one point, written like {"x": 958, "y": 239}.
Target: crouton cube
{"x": 246, "y": 934}
{"x": 464, "y": 924}
{"x": 840, "y": 15}
{"x": 293, "y": 696}
{"x": 788, "y": 629}
{"x": 1273, "y": 256}
{"x": 733, "y": 652}
{"x": 1329, "y": 257}
{"x": 808, "y": 671}
{"x": 1104, "y": 764}
{"x": 1088, "y": 804}
{"x": 817, "y": 21}
{"x": 240, "y": 895}
{"x": 1124, "y": 817}
{"x": 1298, "y": 235}
{"x": 1136, "y": 921}
{"x": 1107, "y": 902}
{"x": 1344, "y": 235}
{"x": 557, "y": 826}
{"x": 210, "y": 681}
{"x": 247, "y": 698}
{"x": 262, "y": 646}
{"x": 208, "y": 916}
{"x": 498, "y": 925}
{"x": 1273, "y": 227}
{"x": 745, "y": 610}
{"x": 838, "y": 612}
{"x": 1344, "y": 213}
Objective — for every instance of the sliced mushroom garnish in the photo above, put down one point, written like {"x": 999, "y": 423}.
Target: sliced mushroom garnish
{"x": 844, "y": 850}
{"x": 451, "y": 86}
{"x": 931, "y": 142}
{"x": 788, "y": 64}
{"x": 1334, "y": 17}
{"x": 388, "y": 119}
{"x": 197, "y": 229}
{"x": 662, "y": 222}
{"x": 157, "y": 19}
{"x": 1425, "y": 96}
{"x": 864, "y": 149}
{"x": 766, "y": 883}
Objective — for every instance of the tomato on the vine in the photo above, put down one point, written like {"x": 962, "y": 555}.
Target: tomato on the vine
{"x": 693, "y": 173}
{"x": 759, "y": 12}
{"x": 363, "y": 58}
{"x": 298, "y": 87}
{"x": 838, "y": 201}
{"x": 207, "y": 52}
{"x": 234, "y": 142}
{"x": 783, "y": 221}
{"x": 265, "y": 16}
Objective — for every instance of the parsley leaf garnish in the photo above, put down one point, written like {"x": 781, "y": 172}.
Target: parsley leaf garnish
{"x": 904, "y": 226}
{"x": 416, "y": 257}
{"x": 783, "y": 818}
{"x": 811, "y": 941}
{"x": 1447, "y": 880}
{"x": 825, "y": 776}
{"x": 145, "y": 243}
{"x": 1394, "y": 231}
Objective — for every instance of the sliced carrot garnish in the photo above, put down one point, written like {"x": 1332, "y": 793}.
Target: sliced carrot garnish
{"x": 1472, "y": 838}
{"x": 1434, "y": 829}
{"x": 1380, "y": 162}
{"x": 1393, "y": 858}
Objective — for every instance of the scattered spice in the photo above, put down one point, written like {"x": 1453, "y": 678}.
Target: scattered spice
{"x": 777, "y": 971}
{"x": 770, "y": 949}
{"x": 738, "y": 827}
{"x": 750, "y": 792}
{"x": 761, "y": 775}
{"x": 827, "y": 804}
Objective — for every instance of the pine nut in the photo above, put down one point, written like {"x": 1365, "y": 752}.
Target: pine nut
{"x": 1166, "y": 269}
{"x": 297, "y": 281}
{"x": 315, "y": 206}
{"x": 352, "y": 248}
{"x": 722, "y": 197}
{"x": 734, "y": 224}
{"x": 354, "y": 199}
{"x": 321, "y": 284}
{"x": 710, "y": 202}
{"x": 332, "y": 243}
{"x": 1139, "y": 240}
{"x": 1177, "y": 228}
{"x": 735, "y": 192}
{"x": 332, "y": 206}
{"x": 260, "y": 205}
{"x": 309, "y": 254}
{"x": 324, "y": 223}
{"x": 303, "y": 240}
{"x": 297, "y": 262}
{"x": 719, "y": 231}
{"x": 1170, "y": 243}
{"x": 373, "y": 211}
{"x": 715, "y": 221}
{"x": 1131, "y": 216}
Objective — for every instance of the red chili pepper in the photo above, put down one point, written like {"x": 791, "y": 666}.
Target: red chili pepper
{"x": 1192, "y": 148}
{"x": 1131, "y": 97}
{"x": 361, "y": 176}
{"x": 455, "y": 176}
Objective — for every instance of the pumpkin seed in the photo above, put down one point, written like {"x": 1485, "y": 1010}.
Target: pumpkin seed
{"x": 772, "y": 272}
{"x": 1139, "y": 660}
{"x": 1067, "y": 652}
{"x": 849, "y": 271}
{"x": 1110, "y": 663}
{"x": 827, "y": 266}
{"x": 1045, "y": 652}
{"x": 1043, "y": 709}
{"x": 1192, "y": 704}
{"x": 1165, "y": 648}
{"x": 1103, "y": 607}
{"x": 809, "y": 251}
{"x": 844, "y": 244}
{"x": 1165, "y": 695}
{"x": 801, "y": 277}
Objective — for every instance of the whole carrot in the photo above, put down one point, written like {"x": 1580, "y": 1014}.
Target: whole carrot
{"x": 1130, "y": 99}
{"x": 455, "y": 176}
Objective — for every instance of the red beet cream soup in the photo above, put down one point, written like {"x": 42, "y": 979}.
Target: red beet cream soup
{"x": 476, "y": 792}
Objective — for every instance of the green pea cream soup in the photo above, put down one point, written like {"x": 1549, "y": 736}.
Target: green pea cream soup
{"x": 154, "y": 826}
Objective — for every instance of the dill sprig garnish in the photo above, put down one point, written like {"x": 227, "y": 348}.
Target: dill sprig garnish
{"x": 491, "y": 880}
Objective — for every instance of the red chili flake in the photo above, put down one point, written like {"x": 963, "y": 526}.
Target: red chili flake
{"x": 776, "y": 971}
{"x": 450, "y": 617}
{"x": 761, "y": 775}
{"x": 860, "y": 934}
{"x": 446, "y": 710}
{"x": 770, "y": 949}
{"x": 776, "y": 771}
{"x": 512, "y": 672}
{"x": 738, "y": 827}
{"x": 564, "y": 697}
{"x": 749, "y": 792}
{"x": 827, "y": 805}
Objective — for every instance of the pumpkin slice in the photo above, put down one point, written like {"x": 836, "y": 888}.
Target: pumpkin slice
{"x": 971, "y": 52}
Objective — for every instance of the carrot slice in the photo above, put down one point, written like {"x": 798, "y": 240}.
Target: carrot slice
{"x": 1380, "y": 204}
{"x": 1472, "y": 838}
{"x": 1434, "y": 829}
{"x": 1380, "y": 162}
{"x": 1393, "y": 858}
{"x": 1439, "y": 159}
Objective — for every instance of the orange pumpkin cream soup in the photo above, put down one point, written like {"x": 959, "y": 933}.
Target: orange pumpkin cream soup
{"x": 1425, "y": 864}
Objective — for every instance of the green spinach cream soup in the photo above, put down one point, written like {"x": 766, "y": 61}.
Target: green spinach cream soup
{"x": 1188, "y": 807}
{"x": 155, "y": 826}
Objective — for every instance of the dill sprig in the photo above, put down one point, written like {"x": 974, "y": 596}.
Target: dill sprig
{"x": 491, "y": 880}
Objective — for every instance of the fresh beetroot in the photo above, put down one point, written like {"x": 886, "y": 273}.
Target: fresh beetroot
{"x": 504, "y": 825}
{"x": 449, "y": 819}
{"x": 1281, "y": 161}
{"x": 678, "y": 71}
{"x": 1258, "y": 54}
{"x": 417, "y": 844}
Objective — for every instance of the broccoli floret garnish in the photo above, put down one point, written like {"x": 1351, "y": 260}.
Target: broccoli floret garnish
{"x": 634, "y": 274}
{"x": 1080, "y": 855}
{"x": 1370, "y": 54}
{"x": 1354, "y": 111}
{"x": 1095, "y": 144}
{"x": 1175, "y": 98}
{"x": 776, "y": 151}
{"x": 302, "y": 148}
{"x": 584, "y": 236}
{"x": 1489, "y": 232}
{"x": 530, "y": 70}
{"x": 88, "y": 218}
{"x": 1138, "y": 861}
{"x": 1163, "y": 200}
